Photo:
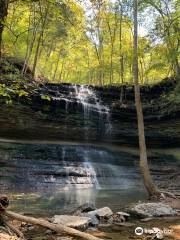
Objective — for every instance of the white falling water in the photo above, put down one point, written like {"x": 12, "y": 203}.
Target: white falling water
{"x": 91, "y": 173}
{"x": 86, "y": 97}
{"x": 90, "y": 102}
{"x": 87, "y": 174}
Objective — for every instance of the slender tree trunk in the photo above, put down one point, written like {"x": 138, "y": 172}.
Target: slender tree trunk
{"x": 112, "y": 34}
{"x": 61, "y": 72}
{"x": 57, "y": 64}
{"x": 177, "y": 67}
{"x": 121, "y": 60}
{"x": 39, "y": 41}
{"x": 142, "y": 72}
{"x": 148, "y": 182}
{"x": 27, "y": 46}
{"x": 3, "y": 14}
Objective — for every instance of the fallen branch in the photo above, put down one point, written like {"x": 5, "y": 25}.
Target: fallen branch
{"x": 168, "y": 194}
{"x": 14, "y": 229}
{"x": 8, "y": 237}
{"x": 58, "y": 228}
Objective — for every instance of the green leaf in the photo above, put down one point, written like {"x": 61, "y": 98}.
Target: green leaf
{"x": 46, "y": 97}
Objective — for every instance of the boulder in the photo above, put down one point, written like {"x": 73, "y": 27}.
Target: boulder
{"x": 93, "y": 217}
{"x": 100, "y": 213}
{"x": 87, "y": 207}
{"x": 153, "y": 210}
{"x": 72, "y": 221}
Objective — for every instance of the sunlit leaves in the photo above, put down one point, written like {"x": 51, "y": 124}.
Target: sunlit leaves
{"x": 82, "y": 38}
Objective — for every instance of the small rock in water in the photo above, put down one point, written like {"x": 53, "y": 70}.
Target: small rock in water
{"x": 153, "y": 210}
{"x": 72, "y": 221}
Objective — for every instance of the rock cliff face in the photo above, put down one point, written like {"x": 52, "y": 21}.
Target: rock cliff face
{"x": 92, "y": 127}
{"x": 66, "y": 112}
{"x": 53, "y": 167}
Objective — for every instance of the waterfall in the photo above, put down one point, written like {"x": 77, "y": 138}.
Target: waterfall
{"x": 84, "y": 174}
{"x": 91, "y": 173}
{"x": 87, "y": 98}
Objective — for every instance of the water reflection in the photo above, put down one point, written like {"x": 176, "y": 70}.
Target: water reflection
{"x": 67, "y": 201}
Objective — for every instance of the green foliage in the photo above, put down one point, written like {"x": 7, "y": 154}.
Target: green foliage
{"x": 12, "y": 83}
{"x": 4, "y": 91}
{"x": 46, "y": 97}
{"x": 72, "y": 46}
{"x": 13, "y": 90}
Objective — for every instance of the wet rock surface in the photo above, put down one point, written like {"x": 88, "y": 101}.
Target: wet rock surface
{"x": 98, "y": 116}
{"x": 87, "y": 219}
{"x": 50, "y": 167}
{"x": 153, "y": 210}
{"x": 105, "y": 212}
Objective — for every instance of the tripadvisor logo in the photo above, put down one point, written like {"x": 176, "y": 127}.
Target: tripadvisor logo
{"x": 139, "y": 231}
{"x": 157, "y": 232}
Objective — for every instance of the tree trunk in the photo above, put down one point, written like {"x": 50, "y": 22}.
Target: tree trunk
{"x": 57, "y": 64}
{"x": 121, "y": 60}
{"x": 39, "y": 40}
{"x": 61, "y": 72}
{"x": 3, "y": 14}
{"x": 177, "y": 68}
{"x": 148, "y": 182}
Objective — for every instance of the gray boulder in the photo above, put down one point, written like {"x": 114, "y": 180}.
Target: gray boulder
{"x": 93, "y": 217}
{"x": 99, "y": 215}
{"x": 153, "y": 210}
{"x": 104, "y": 212}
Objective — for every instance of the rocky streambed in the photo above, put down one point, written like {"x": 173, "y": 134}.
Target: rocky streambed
{"x": 153, "y": 219}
